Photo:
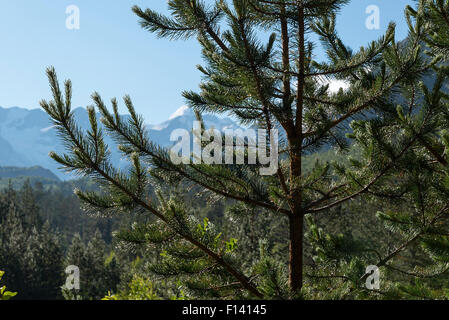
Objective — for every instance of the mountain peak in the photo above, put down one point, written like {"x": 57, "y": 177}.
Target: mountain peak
{"x": 180, "y": 112}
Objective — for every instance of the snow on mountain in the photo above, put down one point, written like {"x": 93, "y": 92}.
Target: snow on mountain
{"x": 179, "y": 113}
{"x": 27, "y": 136}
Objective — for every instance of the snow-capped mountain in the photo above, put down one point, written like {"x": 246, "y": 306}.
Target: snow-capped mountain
{"x": 27, "y": 136}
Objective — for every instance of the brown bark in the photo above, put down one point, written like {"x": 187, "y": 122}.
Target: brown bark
{"x": 296, "y": 252}
{"x": 296, "y": 218}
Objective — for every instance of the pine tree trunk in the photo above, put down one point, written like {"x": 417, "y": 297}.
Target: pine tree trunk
{"x": 296, "y": 218}
{"x": 296, "y": 252}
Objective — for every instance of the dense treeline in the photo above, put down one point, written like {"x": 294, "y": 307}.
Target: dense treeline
{"x": 44, "y": 231}
{"x": 30, "y": 251}
{"x": 55, "y": 202}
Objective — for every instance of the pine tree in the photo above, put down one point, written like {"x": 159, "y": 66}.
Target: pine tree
{"x": 416, "y": 192}
{"x": 435, "y": 14}
{"x": 276, "y": 84}
{"x": 29, "y": 206}
{"x": 97, "y": 276}
{"x": 76, "y": 257}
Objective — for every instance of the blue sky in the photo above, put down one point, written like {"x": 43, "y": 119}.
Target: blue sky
{"x": 111, "y": 54}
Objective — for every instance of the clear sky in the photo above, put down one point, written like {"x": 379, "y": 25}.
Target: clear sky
{"x": 111, "y": 54}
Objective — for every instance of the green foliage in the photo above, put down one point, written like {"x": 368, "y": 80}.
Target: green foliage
{"x": 5, "y": 295}
{"x": 99, "y": 272}
{"x": 434, "y": 14}
{"x": 138, "y": 289}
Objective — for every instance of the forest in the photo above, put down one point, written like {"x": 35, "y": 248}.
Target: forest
{"x": 357, "y": 208}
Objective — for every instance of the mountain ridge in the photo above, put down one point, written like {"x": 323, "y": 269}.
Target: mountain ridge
{"x": 28, "y": 135}
{"x": 35, "y": 171}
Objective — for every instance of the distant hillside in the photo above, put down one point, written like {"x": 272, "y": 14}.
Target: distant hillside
{"x": 49, "y": 184}
{"x": 36, "y": 171}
